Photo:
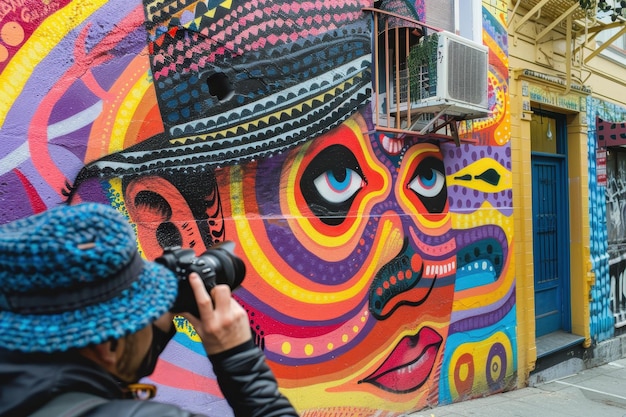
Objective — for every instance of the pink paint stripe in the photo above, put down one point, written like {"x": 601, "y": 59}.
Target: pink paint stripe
{"x": 36, "y": 203}
{"x": 222, "y": 30}
{"x": 168, "y": 374}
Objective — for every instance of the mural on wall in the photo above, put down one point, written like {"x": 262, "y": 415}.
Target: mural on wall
{"x": 615, "y": 226}
{"x": 379, "y": 267}
{"x": 609, "y": 134}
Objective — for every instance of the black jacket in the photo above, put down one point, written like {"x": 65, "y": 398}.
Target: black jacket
{"x": 29, "y": 381}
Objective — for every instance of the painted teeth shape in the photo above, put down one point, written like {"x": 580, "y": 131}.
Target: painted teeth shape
{"x": 440, "y": 270}
{"x": 393, "y": 146}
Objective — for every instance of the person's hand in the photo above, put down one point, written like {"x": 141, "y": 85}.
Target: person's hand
{"x": 223, "y": 323}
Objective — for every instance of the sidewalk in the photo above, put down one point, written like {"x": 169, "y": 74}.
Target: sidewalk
{"x": 596, "y": 392}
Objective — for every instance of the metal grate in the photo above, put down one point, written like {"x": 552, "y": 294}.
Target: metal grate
{"x": 466, "y": 63}
{"x": 553, "y": 9}
{"x": 417, "y": 83}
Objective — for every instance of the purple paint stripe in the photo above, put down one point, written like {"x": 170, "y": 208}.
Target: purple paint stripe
{"x": 47, "y": 73}
{"x": 194, "y": 401}
{"x": 248, "y": 297}
{"x": 482, "y": 317}
{"x": 185, "y": 358}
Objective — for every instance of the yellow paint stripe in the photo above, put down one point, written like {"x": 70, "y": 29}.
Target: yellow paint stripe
{"x": 123, "y": 118}
{"x": 43, "y": 40}
{"x": 343, "y": 388}
{"x": 274, "y": 277}
{"x": 485, "y": 215}
{"x": 210, "y": 13}
{"x": 475, "y": 169}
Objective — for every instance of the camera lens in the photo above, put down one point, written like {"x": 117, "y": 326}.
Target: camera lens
{"x": 229, "y": 269}
{"x": 218, "y": 265}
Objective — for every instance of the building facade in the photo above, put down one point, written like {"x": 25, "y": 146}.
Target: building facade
{"x": 567, "y": 67}
{"x": 406, "y": 246}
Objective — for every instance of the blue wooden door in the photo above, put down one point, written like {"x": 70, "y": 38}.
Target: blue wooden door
{"x": 550, "y": 243}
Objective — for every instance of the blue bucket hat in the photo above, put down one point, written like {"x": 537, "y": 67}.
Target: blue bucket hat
{"x": 72, "y": 276}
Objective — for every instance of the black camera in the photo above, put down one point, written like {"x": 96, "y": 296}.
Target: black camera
{"x": 218, "y": 265}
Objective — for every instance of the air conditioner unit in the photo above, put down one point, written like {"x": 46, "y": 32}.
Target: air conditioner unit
{"x": 453, "y": 82}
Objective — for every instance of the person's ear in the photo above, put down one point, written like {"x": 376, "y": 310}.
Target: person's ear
{"x": 104, "y": 354}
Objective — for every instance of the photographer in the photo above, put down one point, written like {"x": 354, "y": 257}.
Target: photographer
{"x": 83, "y": 318}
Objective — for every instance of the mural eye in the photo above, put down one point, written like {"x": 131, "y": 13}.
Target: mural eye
{"x": 338, "y": 185}
{"x": 331, "y": 182}
{"x": 429, "y": 184}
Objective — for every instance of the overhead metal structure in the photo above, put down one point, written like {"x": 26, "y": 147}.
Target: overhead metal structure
{"x": 569, "y": 17}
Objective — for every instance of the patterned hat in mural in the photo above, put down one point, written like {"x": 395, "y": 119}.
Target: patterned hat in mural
{"x": 242, "y": 80}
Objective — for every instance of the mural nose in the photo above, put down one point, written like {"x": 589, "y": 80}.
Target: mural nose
{"x": 399, "y": 282}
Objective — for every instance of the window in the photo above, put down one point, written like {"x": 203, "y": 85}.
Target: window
{"x": 543, "y": 133}
{"x": 617, "y": 50}
{"x": 425, "y": 77}
{"x": 462, "y": 17}
{"x": 616, "y": 195}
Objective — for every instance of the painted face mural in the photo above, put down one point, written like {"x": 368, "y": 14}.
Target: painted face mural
{"x": 352, "y": 266}
{"x": 355, "y": 279}
{"x": 379, "y": 275}
{"x": 352, "y": 269}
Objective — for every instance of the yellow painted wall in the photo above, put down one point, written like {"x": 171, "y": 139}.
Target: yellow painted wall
{"x": 537, "y": 81}
{"x": 580, "y": 262}
{"x": 522, "y": 202}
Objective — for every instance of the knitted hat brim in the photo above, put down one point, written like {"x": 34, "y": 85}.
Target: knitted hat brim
{"x": 147, "y": 299}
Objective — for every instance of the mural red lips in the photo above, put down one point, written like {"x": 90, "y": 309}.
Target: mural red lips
{"x": 410, "y": 363}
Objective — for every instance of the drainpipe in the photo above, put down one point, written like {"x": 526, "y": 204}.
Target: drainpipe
{"x": 568, "y": 55}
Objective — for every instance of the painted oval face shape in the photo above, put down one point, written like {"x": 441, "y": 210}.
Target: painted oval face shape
{"x": 351, "y": 265}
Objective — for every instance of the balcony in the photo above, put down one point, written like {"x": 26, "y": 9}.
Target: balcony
{"x": 426, "y": 80}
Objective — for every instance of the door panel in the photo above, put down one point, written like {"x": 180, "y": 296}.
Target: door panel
{"x": 549, "y": 243}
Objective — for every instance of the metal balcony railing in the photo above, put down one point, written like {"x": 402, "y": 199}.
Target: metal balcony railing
{"x": 413, "y": 93}
{"x": 394, "y": 36}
